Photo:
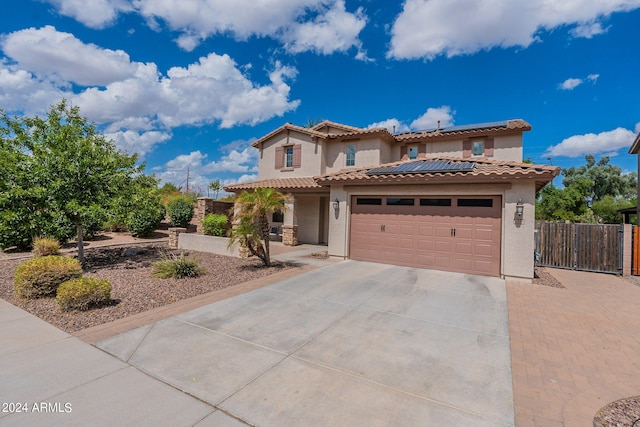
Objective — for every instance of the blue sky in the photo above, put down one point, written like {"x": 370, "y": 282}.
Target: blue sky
{"x": 190, "y": 83}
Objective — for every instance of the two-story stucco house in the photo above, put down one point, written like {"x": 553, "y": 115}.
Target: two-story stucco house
{"x": 456, "y": 199}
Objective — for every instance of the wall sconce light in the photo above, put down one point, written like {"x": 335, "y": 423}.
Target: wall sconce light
{"x": 336, "y": 204}
{"x": 519, "y": 209}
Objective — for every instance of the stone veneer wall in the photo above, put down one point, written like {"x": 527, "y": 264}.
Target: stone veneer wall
{"x": 290, "y": 235}
{"x": 206, "y": 206}
{"x": 173, "y": 236}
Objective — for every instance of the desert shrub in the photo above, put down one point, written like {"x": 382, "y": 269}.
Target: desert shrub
{"x": 41, "y": 276}
{"x": 45, "y": 246}
{"x": 83, "y": 293}
{"x": 214, "y": 224}
{"x": 180, "y": 211}
{"x": 144, "y": 219}
{"x": 177, "y": 267}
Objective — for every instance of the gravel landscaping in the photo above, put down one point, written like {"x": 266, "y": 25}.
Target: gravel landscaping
{"x": 134, "y": 288}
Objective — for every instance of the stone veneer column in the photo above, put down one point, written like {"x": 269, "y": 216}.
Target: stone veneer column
{"x": 290, "y": 235}
{"x": 174, "y": 232}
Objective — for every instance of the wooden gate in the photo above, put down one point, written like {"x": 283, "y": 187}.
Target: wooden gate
{"x": 586, "y": 247}
{"x": 635, "y": 261}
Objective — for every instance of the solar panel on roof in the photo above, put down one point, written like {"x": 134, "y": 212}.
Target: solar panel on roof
{"x": 487, "y": 125}
{"x": 423, "y": 166}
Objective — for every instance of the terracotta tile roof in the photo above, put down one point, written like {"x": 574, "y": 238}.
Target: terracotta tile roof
{"x": 289, "y": 126}
{"x": 483, "y": 170}
{"x": 382, "y": 132}
{"x": 336, "y": 125}
{"x": 492, "y": 128}
{"x": 305, "y": 183}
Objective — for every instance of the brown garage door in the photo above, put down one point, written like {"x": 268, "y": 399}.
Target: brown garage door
{"x": 457, "y": 233}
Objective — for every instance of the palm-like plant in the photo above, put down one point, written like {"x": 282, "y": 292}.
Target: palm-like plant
{"x": 251, "y": 220}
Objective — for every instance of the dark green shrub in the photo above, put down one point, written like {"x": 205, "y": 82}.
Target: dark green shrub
{"x": 180, "y": 212}
{"x": 215, "y": 224}
{"x": 45, "y": 246}
{"x": 177, "y": 267}
{"x": 83, "y": 293}
{"x": 144, "y": 219}
{"x": 41, "y": 276}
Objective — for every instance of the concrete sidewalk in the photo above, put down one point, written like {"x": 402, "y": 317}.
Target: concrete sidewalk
{"x": 573, "y": 350}
{"x": 50, "y": 378}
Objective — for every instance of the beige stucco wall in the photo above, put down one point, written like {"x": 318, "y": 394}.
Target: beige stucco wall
{"x": 311, "y": 157}
{"x": 307, "y": 216}
{"x": 517, "y": 243}
{"x": 369, "y": 152}
{"x": 508, "y": 148}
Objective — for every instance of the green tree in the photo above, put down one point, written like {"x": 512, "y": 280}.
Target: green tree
{"x": 215, "y": 186}
{"x": 560, "y": 204}
{"x": 251, "y": 220}
{"x": 606, "y": 209}
{"x": 67, "y": 173}
{"x": 603, "y": 177}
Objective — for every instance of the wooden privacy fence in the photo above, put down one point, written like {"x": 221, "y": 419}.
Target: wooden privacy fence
{"x": 587, "y": 247}
{"x": 635, "y": 261}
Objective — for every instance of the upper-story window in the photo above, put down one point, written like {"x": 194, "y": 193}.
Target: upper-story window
{"x": 477, "y": 148}
{"x": 351, "y": 155}
{"x": 288, "y": 157}
{"x": 413, "y": 152}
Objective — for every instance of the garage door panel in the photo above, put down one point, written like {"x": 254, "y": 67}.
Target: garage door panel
{"x": 454, "y": 238}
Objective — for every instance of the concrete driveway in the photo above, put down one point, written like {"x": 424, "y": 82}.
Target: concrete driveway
{"x": 352, "y": 343}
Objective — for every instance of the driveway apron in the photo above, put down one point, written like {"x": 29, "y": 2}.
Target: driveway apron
{"x": 352, "y": 343}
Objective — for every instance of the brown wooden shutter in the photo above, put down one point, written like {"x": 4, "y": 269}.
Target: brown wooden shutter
{"x": 466, "y": 148}
{"x": 488, "y": 147}
{"x": 297, "y": 156}
{"x": 403, "y": 153}
{"x": 279, "y": 157}
{"x": 422, "y": 151}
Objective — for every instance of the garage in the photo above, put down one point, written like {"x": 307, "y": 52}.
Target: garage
{"x": 451, "y": 233}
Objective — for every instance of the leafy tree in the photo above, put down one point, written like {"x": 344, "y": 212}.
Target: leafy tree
{"x": 603, "y": 177}
{"x": 560, "y": 204}
{"x": 66, "y": 173}
{"x": 606, "y": 209}
{"x": 251, "y": 220}
{"x": 216, "y": 186}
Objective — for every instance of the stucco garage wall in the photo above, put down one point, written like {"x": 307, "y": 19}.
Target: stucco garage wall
{"x": 517, "y": 244}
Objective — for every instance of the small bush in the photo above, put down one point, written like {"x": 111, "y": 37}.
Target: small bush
{"x": 177, "y": 267}
{"x": 45, "y": 246}
{"x": 41, "y": 276}
{"x": 83, "y": 293}
{"x": 214, "y": 224}
{"x": 180, "y": 212}
{"x": 144, "y": 219}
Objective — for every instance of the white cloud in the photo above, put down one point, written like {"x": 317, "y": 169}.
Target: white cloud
{"x": 637, "y": 129}
{"x": 138, "y": 106}
{"x": 59, "y": 55}
{"x": 591, "y": 143}
{"x": 201, "y": 172}
{"x": 442, "y": 116}
{"x": 433, "y": 118}
{"x": 142, "y": 143}
{"x": 392, "y": 125}
{"x": 573, "y": 83}
{"x": 322, "y": 26}
{"x": 588, "y": 30}
{"x": 570, "y": 84}
{"x": 426, "y": 29}
{"x": 95, "y": 13}
{"x": 333, "y": 30}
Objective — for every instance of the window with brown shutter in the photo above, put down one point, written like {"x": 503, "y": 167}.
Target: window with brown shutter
{"x": 403, "y": 153}
{"x": 488, "y": 147}
{"x": 297, "y": 156}
{"x": 466, "y": 148}
{"x": 279, "y": 157}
